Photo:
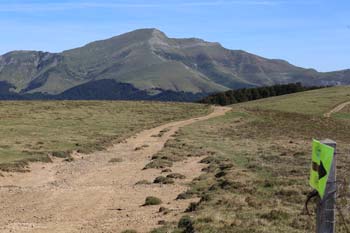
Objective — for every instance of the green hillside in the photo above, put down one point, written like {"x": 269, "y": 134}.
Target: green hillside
{"x": 316, "y": 102}
{"x": 257, "y": 163}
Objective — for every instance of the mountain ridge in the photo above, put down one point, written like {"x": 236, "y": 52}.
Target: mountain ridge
{"x": 150, "y": 61}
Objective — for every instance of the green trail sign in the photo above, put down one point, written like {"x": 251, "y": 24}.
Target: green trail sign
{"x": 322, "y": 158}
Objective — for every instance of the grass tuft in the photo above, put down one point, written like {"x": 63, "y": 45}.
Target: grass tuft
{"x": 152, "y": 201}
{"x": 115, "y": 160}
{"x": 176, "y": 176}
{"x": 143, "y": 182}
{"x": 163, "y": 180}
{"x": 159, "y": 164}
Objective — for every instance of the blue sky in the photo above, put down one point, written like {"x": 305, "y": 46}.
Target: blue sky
{"x": 308, "y": 33}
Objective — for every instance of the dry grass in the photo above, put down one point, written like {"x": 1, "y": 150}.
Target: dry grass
{"x": 258, "y": 169}
{"x": 176, "y": 176}
{"x": 343, "y": 114}
{"x": 33, "y": 129}
{"x": 315, "y": 102}
{"x": 143, "y": 182}
{"x": 116, "y": 160}
{"x": 163, "y": 180}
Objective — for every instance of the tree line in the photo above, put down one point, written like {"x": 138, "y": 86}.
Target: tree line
{"x": 248, "y": 94}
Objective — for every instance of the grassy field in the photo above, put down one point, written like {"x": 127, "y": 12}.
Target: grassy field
{"x": 315, "y": 102}
{"x": 258, "y": 161}
{"x": 32, "y": 130}
{"x": 343, "y": 114}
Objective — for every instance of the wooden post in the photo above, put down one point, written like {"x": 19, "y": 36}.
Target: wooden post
{"x": 325, "y": 219}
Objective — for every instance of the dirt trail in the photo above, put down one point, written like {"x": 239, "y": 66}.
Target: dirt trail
{"x": 93, "y": 195}
{"x": 337, "y": 109}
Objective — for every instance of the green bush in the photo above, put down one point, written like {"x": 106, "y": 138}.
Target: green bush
{"x": 152, "y": 201}
{"x": 166, "y": 170}
{"x": 176, "y": 176}
{"x": 159, "y": 164}
{"x": 163, "y": 180}
{"x": 186, "y": 223}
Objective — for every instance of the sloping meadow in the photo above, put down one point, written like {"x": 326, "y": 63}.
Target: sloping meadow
{"x": 258, "y": 163}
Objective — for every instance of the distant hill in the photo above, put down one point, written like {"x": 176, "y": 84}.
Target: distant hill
{"x": 152, "y": 64}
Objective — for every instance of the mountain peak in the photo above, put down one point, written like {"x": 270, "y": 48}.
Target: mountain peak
{"x": 149, "y": 59}
{"x": 158, "y": 38}
{"x": 146, "y": 32}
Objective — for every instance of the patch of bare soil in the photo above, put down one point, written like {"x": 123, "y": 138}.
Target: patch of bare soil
{"x": 92, "y": 194}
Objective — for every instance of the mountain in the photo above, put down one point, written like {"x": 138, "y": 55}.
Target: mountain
{"x": 152, "y": 64}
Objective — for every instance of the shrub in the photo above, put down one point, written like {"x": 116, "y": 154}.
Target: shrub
{"x": 208, "y": 160}
{"x": 184, "y": 196}
{"x": 220, "y": 174}
{"x": 152, "y": 201}
{"x": 163, "y": 180}
{"x": 176, "y": 176}
{"x": 166, "y": 170}
{"x": 159, "y": 163}
{"x": 186, "y": 223}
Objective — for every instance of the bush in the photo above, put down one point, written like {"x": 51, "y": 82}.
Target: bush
{"x": 176, "y": 176}
{"x": 159, "y": 163}
{"x": 208, "y": 160}
{"x": 186, "y": 223}
{"x": 163, "y": 180}
{"x": 166, "y": 170}
{"x": 184, "y": 196}
{"x": 220, "y": 174}
{"x": 152, "y": 201}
